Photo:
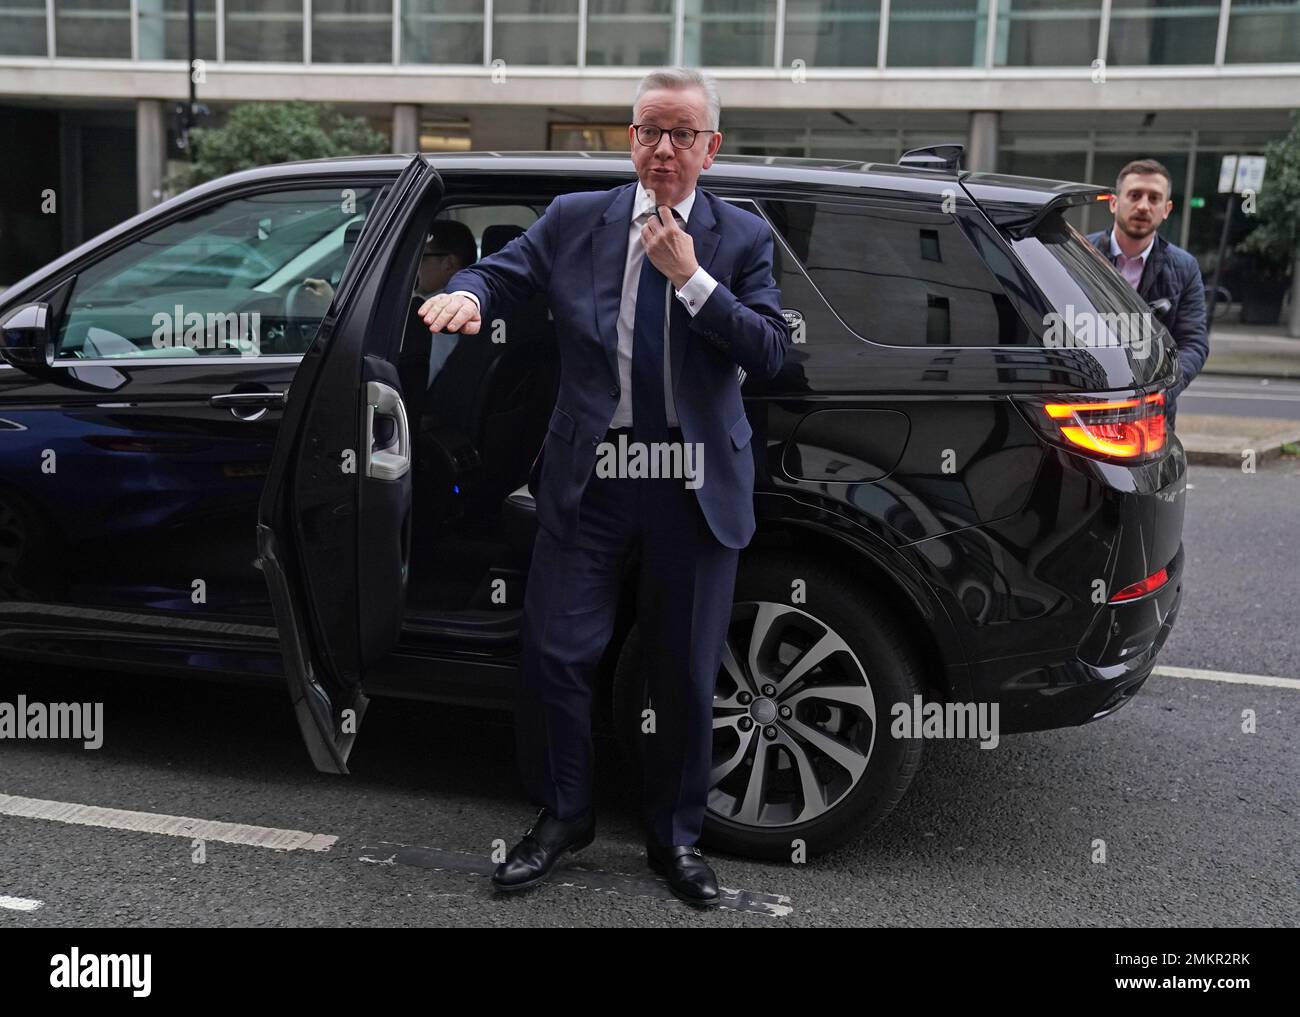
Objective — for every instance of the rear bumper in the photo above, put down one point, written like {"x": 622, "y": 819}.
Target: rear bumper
{"x": 1090, "y": 681}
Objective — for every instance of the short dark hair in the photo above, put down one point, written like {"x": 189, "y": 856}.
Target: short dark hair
{"x": 454, "y": 237}
{"x": 1145, "y": 167}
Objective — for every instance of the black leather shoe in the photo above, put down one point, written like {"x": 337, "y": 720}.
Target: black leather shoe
{"x": 688, "y": 874}
{"x": 532, "y": 859}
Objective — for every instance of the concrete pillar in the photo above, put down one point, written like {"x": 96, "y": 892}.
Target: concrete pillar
{"x": 150, "y": 151}
{"x": 507, "y": 128}
{"x": 406, "y": 128}
{"x": 982, "y": 147}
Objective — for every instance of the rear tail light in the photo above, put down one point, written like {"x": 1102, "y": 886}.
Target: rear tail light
{"x": 1129, "y": 430}
{"x": 1142, "y": 587}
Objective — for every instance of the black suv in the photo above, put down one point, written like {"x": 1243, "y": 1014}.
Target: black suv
{"x": 958, "y": 499}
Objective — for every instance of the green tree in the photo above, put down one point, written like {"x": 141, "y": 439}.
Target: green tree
{"x": 256, "y": 134}
{"x": 1275, "y": 241}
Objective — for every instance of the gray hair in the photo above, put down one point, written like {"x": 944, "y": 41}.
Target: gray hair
{"x": 682, "y": 77}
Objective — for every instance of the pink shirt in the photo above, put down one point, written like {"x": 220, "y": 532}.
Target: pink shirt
{"x": 1130, "y": 268}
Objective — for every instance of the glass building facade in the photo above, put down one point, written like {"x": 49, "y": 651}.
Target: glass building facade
{"x": 1011, "y": 79}
{"x": 650, "y": 33}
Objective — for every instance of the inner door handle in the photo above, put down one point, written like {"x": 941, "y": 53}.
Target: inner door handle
{"x": 393, "y": 460}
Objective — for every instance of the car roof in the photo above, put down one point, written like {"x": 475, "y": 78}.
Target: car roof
{"x": 1007, "y": 200}
{"x": 617, "y": 166}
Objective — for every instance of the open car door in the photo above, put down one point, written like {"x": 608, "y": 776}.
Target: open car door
{"x": 334, "y": 522}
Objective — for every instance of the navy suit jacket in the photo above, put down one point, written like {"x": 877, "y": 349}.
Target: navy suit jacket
{"x": 1173, "y": 273}
{"x": 575, "y": 254}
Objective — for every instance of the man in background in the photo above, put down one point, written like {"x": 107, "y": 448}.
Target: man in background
{"x": 1155, "y": 267}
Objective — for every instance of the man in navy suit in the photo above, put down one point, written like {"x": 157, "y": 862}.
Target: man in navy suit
{"x": 662, "y": 296}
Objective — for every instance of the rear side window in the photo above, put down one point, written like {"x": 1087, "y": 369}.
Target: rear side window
{"x": 899, "y": 277}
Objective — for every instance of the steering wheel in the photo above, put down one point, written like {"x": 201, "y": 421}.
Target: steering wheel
{"x": 303, "y": 310}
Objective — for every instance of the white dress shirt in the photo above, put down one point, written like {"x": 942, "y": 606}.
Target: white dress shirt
{"x": 694, "y": 292}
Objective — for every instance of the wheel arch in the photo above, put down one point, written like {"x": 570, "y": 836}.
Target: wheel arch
{"x": 828, "y": 537}
{"x": 888, "y": 573}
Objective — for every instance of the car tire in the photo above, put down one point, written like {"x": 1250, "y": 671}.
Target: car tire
{"x": 866, "y": 637}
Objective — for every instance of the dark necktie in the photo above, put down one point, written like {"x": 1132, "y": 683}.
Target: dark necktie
{"x": 649, "y": 413}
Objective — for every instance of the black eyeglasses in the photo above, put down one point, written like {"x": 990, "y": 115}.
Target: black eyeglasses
{"x": 681, "y": 137}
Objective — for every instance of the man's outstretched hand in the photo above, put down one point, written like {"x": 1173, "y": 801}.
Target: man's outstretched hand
{"x": 451, "y": 312}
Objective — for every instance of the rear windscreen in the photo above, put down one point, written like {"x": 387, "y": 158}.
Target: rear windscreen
{"x": 1094, "y": 305}
{"x": 1069, "y": 270}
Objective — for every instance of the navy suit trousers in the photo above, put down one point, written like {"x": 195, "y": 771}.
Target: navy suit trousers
{"x": 684, "y": 601}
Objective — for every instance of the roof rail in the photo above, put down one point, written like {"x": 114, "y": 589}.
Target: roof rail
{"x": 934, "y": 157}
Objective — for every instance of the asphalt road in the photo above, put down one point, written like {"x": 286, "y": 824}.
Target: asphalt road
{"x": 1242, "y": 397}
{"x": 1198, "y": 818}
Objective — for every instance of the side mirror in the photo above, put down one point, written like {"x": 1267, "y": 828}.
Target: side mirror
{"x": 25, "y": 339}
{"x": 1161, "y": 306}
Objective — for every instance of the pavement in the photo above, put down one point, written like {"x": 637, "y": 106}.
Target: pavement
{"x": 1223, "y": 440}
{"x": 1263, "y": 352}
{"x": 1253, "y": 351}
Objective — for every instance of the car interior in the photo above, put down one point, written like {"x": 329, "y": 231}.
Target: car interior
{"x": 479, "y": 410}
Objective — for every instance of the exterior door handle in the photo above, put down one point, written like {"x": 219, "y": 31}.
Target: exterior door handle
{"x": 392, "y": 461}
{"x": 249, "y": 405}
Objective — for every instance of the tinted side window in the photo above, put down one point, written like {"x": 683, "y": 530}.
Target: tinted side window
{"x": 900, "y": 277}
{"x": 253, "y": 274}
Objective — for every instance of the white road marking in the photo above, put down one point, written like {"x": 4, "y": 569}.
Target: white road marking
{"x": 1257, "y": 384}
{"x": 170, "y": 826}
{"x": 1236, "y": 381}
{"x": 1229, "y": 338}
{"x": 1227, "y": 396}
{"x": 20, "y": 903}
{"x": 1227, "y": 390}
{"x": 1229, "y": 677}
